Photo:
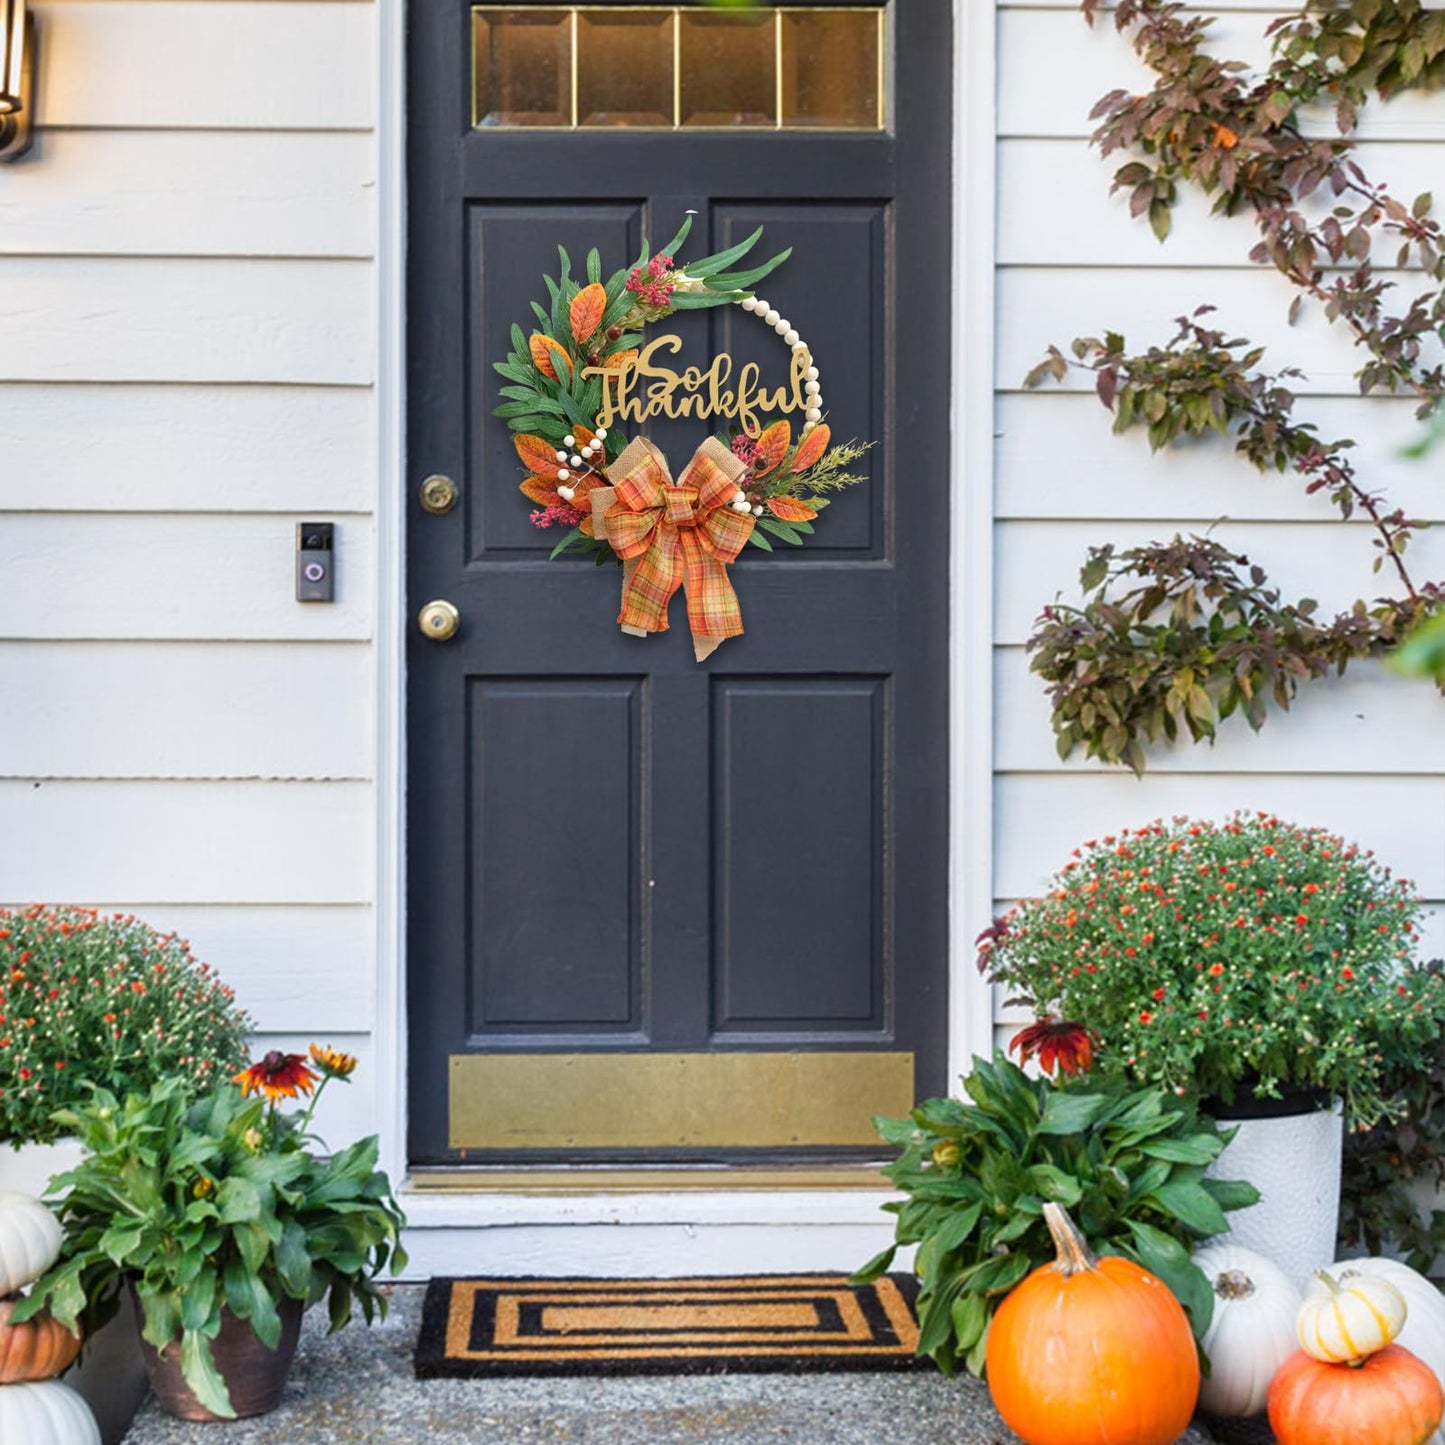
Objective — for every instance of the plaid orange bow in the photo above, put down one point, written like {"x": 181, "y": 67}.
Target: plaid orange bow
{"x": 675, "y": 536}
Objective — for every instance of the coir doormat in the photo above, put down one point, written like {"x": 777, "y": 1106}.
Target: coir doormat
{"x": 766, "y": 1323}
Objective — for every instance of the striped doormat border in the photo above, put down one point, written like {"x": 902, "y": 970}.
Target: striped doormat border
{"x": 748, "y": 1324}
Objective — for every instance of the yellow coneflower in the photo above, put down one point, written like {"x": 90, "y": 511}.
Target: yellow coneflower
{"x": 332, "y": 1062}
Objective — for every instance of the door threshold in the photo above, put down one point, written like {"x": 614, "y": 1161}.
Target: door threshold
{"x": 641, "y": 1179}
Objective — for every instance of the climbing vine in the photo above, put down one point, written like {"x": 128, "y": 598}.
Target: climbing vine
{"x": 1175, "y": 636}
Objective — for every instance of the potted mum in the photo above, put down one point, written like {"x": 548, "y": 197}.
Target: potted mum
{"x": 226, "y": 1224}
{"x": 94, "y": 999}
{"x": 87, "y": 998}
{"x": 1267, "y": 967}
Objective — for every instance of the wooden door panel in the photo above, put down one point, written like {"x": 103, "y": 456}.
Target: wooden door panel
{"x": 835, "y": 290}
{"x": 509, "y": 246}
{"x": 555, "y": 854}
{"x": 800, "y": 769}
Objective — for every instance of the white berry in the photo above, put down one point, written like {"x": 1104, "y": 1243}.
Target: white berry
{"x": 563, "y": 474}
{"x": 757, "y": 511}
{"x": 576, "y": 461}
{"x": 561, "y": 456}
{"x": 601, "y": 432}
{"x": 741, "y": 505}
{"x": 566, "y": 493}
{"x": 570, "y": 441}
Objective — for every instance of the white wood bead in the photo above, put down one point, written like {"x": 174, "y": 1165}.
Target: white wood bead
{"x": 791, "y": 337}
{"x": 800, "y": 346}
{"x": 815, "y": 413}
{"x": 811, "y": 373}
{"x": 782, "y": 326}
{"x": 749, "y": 303}
{"x": 772, "y": 317}
{"x": 812, "y": 388}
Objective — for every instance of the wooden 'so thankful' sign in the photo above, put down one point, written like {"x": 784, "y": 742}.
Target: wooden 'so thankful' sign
{"x": 589, "y": 370}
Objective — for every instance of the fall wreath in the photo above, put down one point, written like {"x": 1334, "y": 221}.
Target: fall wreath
{"x": 589, "y": 370}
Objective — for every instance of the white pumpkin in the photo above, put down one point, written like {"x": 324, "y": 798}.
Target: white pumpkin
{"x": 1347, "y": 1319}
{"x": 47, "y": 1413}
{"x": 1252, "y": 1332}
{"x": 29, "y": 1241}
{"x": 1424, "y": 1332}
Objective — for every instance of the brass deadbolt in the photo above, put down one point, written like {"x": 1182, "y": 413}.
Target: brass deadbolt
{"x": 439, "y": 620}
{"x": 438, "y": 494}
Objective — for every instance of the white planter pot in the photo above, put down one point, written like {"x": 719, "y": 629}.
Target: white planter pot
{"x": 29, "y": 1169}
{"x": 1294, "y": 1162}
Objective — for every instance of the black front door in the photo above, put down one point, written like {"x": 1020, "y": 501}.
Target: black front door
{"x": 663, "y": 910}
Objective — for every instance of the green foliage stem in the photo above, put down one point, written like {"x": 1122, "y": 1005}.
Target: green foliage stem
{"x": 1125, "y": 671}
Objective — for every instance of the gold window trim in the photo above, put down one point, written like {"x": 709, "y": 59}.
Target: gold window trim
{"x": 778, "y": 12}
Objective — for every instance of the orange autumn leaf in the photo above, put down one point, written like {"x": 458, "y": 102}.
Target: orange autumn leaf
{"x": 540, "y": 490}
{"x": 790, "y": 509}
{"x": 543, "y": 349}
{"x": 537, "y": 455}
{"x": 811, "y": 448}
{"x": 587, "y": 308}
{"x": 772, "y": 448}
{"x": 620, "y": 358}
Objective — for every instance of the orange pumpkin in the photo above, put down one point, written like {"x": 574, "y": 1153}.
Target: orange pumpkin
{"x": 1091, "y": 1351}
{"x": 1388, "y": 1398}
{"x": 39, "y": 1349}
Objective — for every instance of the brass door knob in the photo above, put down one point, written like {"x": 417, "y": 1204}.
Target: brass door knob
{"x": 439, "y": 620}
{"x": 438, "y": 494}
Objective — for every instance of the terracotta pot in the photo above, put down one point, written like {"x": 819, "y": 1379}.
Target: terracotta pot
{"x": 254, "y": 1375}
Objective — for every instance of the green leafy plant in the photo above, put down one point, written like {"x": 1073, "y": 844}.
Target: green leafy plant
{"x": 218, "y": 1204}
{"x": 1392, "y": 1170}
{"x": 1119, "y": 681}
{"x": 1251, "y": 954}
{"x": 90, "y": 999}
{"x": 1127, "y": 1161}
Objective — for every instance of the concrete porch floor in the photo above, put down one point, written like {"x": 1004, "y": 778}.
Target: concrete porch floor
{"x": 357, "y": 1388}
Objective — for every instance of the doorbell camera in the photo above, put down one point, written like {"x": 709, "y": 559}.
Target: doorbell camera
{"x": 315, "y": 565}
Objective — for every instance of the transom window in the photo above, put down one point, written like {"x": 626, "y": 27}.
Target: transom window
{"x": 673, "y": 67}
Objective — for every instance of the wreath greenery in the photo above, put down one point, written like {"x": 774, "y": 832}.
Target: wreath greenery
{"x": 552, "y": 403}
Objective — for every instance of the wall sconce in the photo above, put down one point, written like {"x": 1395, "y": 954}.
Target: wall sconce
{"x": 17, "y": 78}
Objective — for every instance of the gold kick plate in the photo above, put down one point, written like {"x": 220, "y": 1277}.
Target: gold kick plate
{"x": 518, "y": 1102}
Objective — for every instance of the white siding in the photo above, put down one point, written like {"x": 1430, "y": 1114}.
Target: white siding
{"x": 1364, "y": 755}
{"x": 186, "y": 300}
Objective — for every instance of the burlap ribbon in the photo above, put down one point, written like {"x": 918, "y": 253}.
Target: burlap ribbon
{"x": 675, "y": 536}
